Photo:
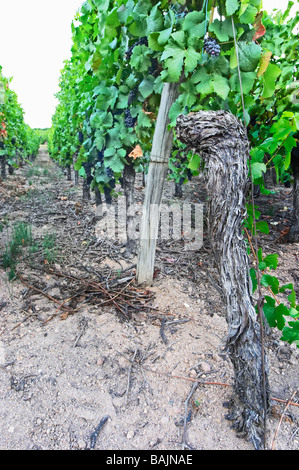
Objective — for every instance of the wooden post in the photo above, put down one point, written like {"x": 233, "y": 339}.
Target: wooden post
{"x": 158, "y": 167}
{"x": 129, "y": 176}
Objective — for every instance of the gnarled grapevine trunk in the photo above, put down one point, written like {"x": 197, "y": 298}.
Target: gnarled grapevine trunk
{"x": 87, "y": 181}
{"x": 294, "y": 230}
{"x": 3, "y": 167}
{"x": 98, "y": 196}
{"x": 69, "y": 173}
{"x": 221, "y": 141}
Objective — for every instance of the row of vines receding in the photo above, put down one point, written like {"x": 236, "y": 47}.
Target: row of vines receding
{"x": 18, "y": 141}
{"x": 110, "y": 89}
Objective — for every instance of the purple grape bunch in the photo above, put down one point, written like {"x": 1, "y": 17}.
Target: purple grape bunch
{"x": 211, "y": 46}
{"x": 129, "y": 120}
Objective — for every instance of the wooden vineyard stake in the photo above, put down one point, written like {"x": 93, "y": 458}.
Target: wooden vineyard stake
{"x": 220, "y": 139}
{"x": 158, "y": 167}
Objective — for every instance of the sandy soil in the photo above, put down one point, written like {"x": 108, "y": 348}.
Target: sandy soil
{"x": 61, "y": 375}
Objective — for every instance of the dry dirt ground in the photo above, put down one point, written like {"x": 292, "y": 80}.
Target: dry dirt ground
{"x": 100, "y": 379}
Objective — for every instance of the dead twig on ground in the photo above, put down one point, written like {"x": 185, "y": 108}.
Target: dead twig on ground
{"x": 43, "y": 293}
{"x": 122, "y": 293}
{"x": 281, "y": 417}
{"x": 94, "y": 435}
{"x": 129, "y": 375}
{"x": 83, "y": 324}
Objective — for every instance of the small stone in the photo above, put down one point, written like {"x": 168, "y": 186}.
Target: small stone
{"x": 130, "y": 435}
{"x": 205, "y": 367}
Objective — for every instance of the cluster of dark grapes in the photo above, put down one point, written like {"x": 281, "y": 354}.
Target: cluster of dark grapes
{"x": 109, "y": 173}
{"x": 141, "y": 42}
{"x": 100, "y": 155}
{"x": 129, "y": 120}
{"x": 153, "y": 68}
{"x": 211, "y": 46}
{"x": 80, "y": 137}
{"x": 132, "y": 95}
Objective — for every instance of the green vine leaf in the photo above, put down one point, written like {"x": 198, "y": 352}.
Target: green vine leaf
{"x": 140, "y": 59}
{"x": 273, "y": 314}
{"x": 195, "y": 23}
{"x": 223, "y": 30}
{"x": 146, "y": 87}
{"x": 248, "y": 16}
{"x": 269, "y": 78}
{"x": 231, "y": 6}
{"x": 257, "y": 170}
{"x": 249, "y": 56}
{"x": 270, "y": 281}
{"x": 290, "y": 333}
{"x": 220, "y": 86}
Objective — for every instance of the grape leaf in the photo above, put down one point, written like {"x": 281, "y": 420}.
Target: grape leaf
{"x": 278, "y": 317}
{"x": 146, "y": 87}
{"x": 249, "y": 14}
{"x": 231, "y": 6}
{"x": 247, "y": 80}
{"x": 191, "y": 59}
{"x": 249, "y": 56}
{"x": 253, "y": 279}
{"x": 174, "y": 61}
{"x": 262, "y": 226}
{"x": 291, "y": 333}
{"x": 271, "y": 261}
{"x": 264, "y": 63}
{"x": 220, "y": 86}
{"x": 154, "y": 20}
{"x": 194, "y": 23}
{"x": 139, "y": 59}
{"x": 175, "y": 110}
{"x": 270, "y": 281}
{"x": 222, "y": 29}
{"x": 269, "y": 79}
{"x": 269, "y": 310}
{"x": 257, "y": 169}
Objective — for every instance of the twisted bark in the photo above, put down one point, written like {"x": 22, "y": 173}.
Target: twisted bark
{"x": 221, "y": 141}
